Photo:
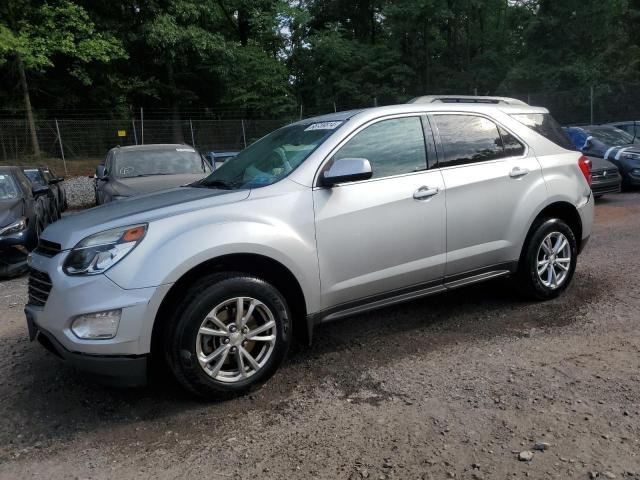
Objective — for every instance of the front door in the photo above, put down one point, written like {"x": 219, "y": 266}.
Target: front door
{"x": 381, "y": 236}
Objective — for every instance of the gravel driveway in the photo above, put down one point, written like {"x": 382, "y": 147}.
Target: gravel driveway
{"x": 455, "y": 386}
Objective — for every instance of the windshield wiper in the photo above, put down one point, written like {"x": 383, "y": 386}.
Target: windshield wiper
{"x": 217, "y": 184}
{"x": 150, "y": 175}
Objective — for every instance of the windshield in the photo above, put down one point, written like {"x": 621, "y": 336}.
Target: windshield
{"x": 612, "y": 136}
{"x": 271, "y": 158}
{"x": 172, "y": 161}
{"x": 35, "y": 176}
{"x": 8, "y": 190}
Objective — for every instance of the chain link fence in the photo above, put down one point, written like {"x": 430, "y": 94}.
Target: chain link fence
{"x": 82, "y": 138}
{"x": 88, "y": 137}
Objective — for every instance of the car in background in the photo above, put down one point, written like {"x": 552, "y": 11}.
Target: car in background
{"x": 631, "y": 127}
{"x": 217, "y": 159}
{"x": 56, "y": 184}
{"x": 22, "y": 219}
{"x": 129, "y": 171}
{"x": 612, "y": 144}
{"x": 605, "y": 177}
{"x": 37, "y": 177}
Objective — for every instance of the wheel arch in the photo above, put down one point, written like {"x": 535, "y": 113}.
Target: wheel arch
{"x": 564, "y": 211}
{"x": 261, "y": 266}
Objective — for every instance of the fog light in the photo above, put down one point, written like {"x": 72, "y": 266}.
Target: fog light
{"x": 97, "y": 326}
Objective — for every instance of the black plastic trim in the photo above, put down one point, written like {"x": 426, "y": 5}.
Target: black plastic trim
{"x": 114, "y": 370}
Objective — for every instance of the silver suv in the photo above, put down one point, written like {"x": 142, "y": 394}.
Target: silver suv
{"x": 325, "y": 218}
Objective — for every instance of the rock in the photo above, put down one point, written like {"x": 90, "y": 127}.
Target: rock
{"x": 541, "y": 446}
{"x": 525, "y": 456}
{"x": 593, "y": 475}
{"x": 609, "y": 474}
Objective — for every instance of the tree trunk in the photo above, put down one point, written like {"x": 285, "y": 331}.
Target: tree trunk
{"x": 27, "y": 105}
{"x": 176, "y": 120}
{"x": 244, "y": 26}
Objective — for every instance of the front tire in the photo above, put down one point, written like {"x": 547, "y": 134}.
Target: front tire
{"x": 229, "y": 334}
{"x": 548, "y": 261}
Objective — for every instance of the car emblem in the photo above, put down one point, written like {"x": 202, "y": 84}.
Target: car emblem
{"x": 604, "y": 174}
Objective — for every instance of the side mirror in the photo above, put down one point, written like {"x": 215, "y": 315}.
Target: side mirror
{"x": 60, "y": 179}
{"x": 39, "y": 190}
{"x": 100, "y": 173}
{"x": 346, "y": 170}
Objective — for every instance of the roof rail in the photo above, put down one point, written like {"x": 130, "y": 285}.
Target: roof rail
{"x": 466, "y": 99}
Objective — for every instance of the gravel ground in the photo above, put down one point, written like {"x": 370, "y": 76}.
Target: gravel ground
{"x": 463, "y": 385}
{"x": 80, "y": 192}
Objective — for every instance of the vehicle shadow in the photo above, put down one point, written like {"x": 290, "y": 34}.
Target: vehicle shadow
{"x": 43, "y": 401}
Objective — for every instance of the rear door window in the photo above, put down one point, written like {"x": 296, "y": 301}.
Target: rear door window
{"x": 470, "y": 139}
{"x": 512, "y": 146}
{"x": 545, "y": 125}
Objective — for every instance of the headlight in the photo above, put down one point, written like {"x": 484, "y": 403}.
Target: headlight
{"x": 632, "y": 156}
{"x": 16, "y": 227}
{"x": 97, "y": 253}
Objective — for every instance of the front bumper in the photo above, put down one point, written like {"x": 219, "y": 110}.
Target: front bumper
{"x": 71, "y": 296}
{"x": 631, "y": 179}
{"x": 120, "y": 371}
{"x": 609, "y": 186}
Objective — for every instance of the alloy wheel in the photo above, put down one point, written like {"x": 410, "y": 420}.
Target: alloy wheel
{"x": 236, "y": 339}
{"x": 554, "y": 260}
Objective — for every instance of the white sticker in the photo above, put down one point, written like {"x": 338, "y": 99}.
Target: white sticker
{"x": 185, "y": 150}
{"x": 323, "y": 126}
{"x": 2, "y": 177}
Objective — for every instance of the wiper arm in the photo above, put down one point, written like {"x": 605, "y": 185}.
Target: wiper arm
{"x": 150, "y": 175}
{"x": 217, "y": 184}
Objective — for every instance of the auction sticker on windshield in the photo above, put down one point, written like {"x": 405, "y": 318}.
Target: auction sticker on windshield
{"x": 323, "y": 126}
{"x": 185, "y": 150}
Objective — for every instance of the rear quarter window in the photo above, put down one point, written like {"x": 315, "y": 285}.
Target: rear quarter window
{"x": 545, "y": 125}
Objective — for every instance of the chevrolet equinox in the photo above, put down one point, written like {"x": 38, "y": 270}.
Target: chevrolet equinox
{"x": 321, "y": 219}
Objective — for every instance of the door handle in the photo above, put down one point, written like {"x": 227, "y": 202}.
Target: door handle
{"x": 518, "y": 172}
{"x": 424, "y": 193}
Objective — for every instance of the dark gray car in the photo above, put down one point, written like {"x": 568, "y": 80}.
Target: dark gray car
{"x": 130, "y": 171}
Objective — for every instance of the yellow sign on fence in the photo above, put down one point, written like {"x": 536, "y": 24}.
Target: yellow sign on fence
{"x": 122, "y": 133}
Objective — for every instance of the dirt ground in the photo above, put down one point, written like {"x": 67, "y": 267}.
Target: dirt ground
{"x": 454, "y": 386}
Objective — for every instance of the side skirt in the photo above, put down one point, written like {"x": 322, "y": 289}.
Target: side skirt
{"x": 411, "y": 293}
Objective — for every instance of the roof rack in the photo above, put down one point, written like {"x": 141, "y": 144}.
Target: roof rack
{"x": 466, "y": 99}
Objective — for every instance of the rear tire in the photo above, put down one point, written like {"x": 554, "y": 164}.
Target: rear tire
{"x": 214, "y": 351}
{"x": 548, "y": 260}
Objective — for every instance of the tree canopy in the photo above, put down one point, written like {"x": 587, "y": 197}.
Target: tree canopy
{"x": 265, "y": 58}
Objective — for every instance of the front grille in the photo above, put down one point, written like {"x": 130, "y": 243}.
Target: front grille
{"x": 605, "y": 174}
{"x": 47, "y": 248}
{"x": 39, "y": 287}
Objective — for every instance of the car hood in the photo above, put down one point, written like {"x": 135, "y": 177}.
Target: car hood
{"x": 10, "y": 211}
{"x": 141, "y": 209}
{"x": 614, "y": 153}
{"x": 128, "y": 187}
{"x": 601, "y": 164}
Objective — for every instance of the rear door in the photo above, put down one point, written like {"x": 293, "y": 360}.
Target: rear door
{"x": 489, "y": 176}
{"x": 384, "y": 236}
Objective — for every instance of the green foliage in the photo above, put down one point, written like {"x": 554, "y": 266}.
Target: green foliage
{"x": 265, "y": 57}
{"x": 38, "y": 34}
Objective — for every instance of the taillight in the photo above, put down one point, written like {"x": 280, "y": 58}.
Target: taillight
{"x": 585, "y": 166}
